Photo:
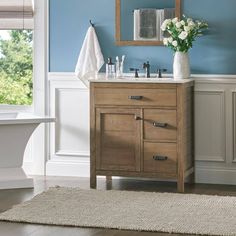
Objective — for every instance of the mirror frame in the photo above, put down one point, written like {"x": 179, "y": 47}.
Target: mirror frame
{"x": 120, "y": 42}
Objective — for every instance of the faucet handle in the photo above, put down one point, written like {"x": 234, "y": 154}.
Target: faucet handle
{"x": 135, "y": 71}
{"x": 159, "y": 71}
{"x": 146, "y": 64}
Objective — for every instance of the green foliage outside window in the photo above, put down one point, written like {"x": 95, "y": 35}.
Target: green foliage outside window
{"x": 16, "y": 68}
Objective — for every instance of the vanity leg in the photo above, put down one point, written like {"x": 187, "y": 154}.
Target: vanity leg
{"x": 93, "y": 180}
{"x": 180, "y": 185}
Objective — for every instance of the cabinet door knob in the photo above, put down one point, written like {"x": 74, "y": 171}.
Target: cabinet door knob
{"x": 135, "y": 97}
{"x": 137, "y": 117}
{"x": 160, "y": 125}
{"x": 160, "y": 158}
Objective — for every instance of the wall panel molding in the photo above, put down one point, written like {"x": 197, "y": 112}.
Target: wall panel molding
{"x": 234, "y": 124}
{"x": 69, "y": 136}
{"x": 210, "y": 139}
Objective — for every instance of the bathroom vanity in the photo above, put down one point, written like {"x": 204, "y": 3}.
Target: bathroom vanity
{"x": 142, "y": 128}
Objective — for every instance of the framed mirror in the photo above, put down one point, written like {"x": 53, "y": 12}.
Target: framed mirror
{"x": 138, "y": 21}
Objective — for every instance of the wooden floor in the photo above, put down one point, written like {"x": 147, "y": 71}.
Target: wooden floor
{"x": 8, "y": 198}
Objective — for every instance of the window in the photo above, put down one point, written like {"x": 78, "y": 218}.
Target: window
{"x": 16, "y": 52}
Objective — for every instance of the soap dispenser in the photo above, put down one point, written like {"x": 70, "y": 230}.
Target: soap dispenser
{"x": 110, "y": 68}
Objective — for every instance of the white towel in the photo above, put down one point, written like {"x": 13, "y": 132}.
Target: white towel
{"x": 137, "y": 27}
{"x": 90, "y": 58}
{"x": 161, "y": 16}
{"x": 160, "y": 19}
{"x": 136, "y": 24}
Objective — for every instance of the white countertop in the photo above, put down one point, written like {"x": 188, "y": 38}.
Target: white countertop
{"x": 101, "y": 78}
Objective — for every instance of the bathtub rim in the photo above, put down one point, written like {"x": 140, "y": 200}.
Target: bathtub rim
{"x": 27, "y": 118}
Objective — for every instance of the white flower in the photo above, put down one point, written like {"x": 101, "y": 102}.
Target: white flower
{"x": 183, "y": 35}
{"x": 163, "y": 27}
{"x": 175, "y": 43}
{"x": 187, "y": 28}
{"x": 165, "y": 24}
{"x": 178, "y": 24}
{"x": 191, "y": 24}
{"x": 175, "y": 20}
{"x": 170, "y": 39}
{"x": 189, "y": 19}
{"x": 165, "y": 41}
{"x": 168, "y": 21}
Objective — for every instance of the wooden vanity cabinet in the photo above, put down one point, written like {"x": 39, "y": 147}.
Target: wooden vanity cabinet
{"x": 142, "y": 130}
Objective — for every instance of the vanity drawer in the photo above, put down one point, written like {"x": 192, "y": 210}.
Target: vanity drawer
{"x": 137, "y": 96}
{"x": 160, "y": 125}
{"x": 160, "y": 158}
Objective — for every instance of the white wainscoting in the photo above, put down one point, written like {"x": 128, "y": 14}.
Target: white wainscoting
{"x": 211, "y": 147}
{"x": 215, "y": 128}
{"x": 215, "y": 110}
{"x": 69, "y": 136}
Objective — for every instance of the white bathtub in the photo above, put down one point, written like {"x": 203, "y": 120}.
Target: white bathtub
{"x": 15, "y": 131}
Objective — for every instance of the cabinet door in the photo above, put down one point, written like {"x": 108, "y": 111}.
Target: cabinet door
{"x": 118, "y": 138}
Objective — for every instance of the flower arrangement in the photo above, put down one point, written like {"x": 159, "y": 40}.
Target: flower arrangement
{"x": 182, "y": 33}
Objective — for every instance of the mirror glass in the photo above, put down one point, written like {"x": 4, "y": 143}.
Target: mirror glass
{"x": 140, "y": 20}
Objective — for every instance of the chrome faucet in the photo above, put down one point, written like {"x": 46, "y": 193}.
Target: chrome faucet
{"x": 135, "y": 72}
{"x": 147, "y": 67}
{"x": 159, "y": 72}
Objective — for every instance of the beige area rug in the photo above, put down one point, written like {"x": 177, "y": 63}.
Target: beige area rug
{"x": 163, "y": 212}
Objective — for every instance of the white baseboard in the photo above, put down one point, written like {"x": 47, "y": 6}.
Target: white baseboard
{"x": 215, "y": 176}
{"x": 82, "y": 169}
{"x": 78, "y": 168}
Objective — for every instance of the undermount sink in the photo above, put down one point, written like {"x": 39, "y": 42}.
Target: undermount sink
{"x": 153, "y": 77}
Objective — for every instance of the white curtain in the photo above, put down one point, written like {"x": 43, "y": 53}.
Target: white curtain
{"x": 16, "y": 14}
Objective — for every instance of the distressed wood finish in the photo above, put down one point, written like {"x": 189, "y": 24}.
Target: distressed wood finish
{"x": 167, "y": 150}
{"x": 161, "y": 116}
{"x": 120, "y": 96}
{"x": 118, "y": 139}
{"x": 138, "y": 43}
{"x": 124, "y": 140}
{"x": 178, "y": 8}
{"x": 185, "y": 133}
{"x": 118, "y": 36}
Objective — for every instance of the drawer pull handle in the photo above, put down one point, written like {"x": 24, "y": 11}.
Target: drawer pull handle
{"x": 135, "y": 97}
{"x": 160, "y": 125}
{"x": 160, "y": 158}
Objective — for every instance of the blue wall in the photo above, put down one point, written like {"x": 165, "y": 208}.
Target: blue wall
{"x": 214, "y": 53}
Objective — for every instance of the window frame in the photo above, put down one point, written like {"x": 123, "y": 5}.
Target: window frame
{"x": 40, "y": 105}
{"x": 40, "y": 32}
